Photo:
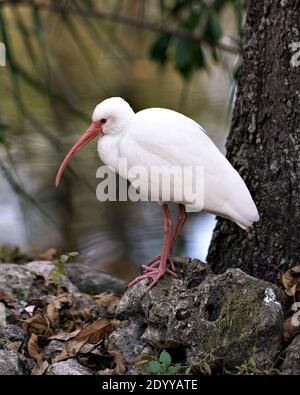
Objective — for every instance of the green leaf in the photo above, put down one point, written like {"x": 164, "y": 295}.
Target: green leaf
{"x": 154, "y": 367}
{"x": 165, "y": 358}
{"x": 160, "y": 48}
{"x": 213, "y": 29}
{"x": 193, "y": 21}
{"x": 173, "y": 369}
{"x": 64, "y": 258}
{"x": 55, "y": 276}
{"x": 182, "y": 57}
{"x": 197, "y": 56}
{"x": 60, "y": 267}
{"x": 73, "y": 253}
{"x": 180, "y": 5}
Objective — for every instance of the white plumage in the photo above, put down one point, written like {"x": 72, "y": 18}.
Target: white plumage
{"x": 158, "y": 137}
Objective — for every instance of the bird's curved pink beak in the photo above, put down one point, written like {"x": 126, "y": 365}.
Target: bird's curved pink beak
{"x": 95, "y": 130}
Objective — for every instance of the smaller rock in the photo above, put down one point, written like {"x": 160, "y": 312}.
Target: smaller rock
{"x": 13, "y": 333}
{"x": 40, "y": 268}
{"x": 44, "y": 269}
{"x": 92, "y": 281}
{"x": 16, "y": 280}
{"x": 14, "y": 364}
{"x": 291, "y": 364}
{"x": 2, "y": 314}
{"x": 127, "y": 340}
{"x": 28, "y": 282}
{"x": 71, "y": 367}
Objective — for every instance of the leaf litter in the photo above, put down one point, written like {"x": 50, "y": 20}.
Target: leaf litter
{"x": 80, "y": 322}
{"x": 290, "y": 283}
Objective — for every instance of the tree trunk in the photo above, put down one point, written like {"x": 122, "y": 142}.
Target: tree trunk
{"x": 264, "y": 144}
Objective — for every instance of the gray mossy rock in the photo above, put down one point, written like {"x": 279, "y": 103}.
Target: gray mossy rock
{"x": 16, "y": 280}
{"x": 92, "y": 281}
{"x": 291, "y": 363}
{"x": 14, "y": 364}
{"x": 69, "y": 368}
{"x": 127, "y": 339}
{"x": 221, "y": 318}
{"x": 22, "y": 282}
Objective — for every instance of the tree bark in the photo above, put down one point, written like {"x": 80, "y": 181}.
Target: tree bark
{"x": 264, "y": 144}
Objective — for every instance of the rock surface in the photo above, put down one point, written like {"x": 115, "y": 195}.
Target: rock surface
{"x": 92, "y": 281}
{"x": 22, "y": 282}
{"x": 291, "y": 364}
{"x": 2, "y": 314}
{"x": 220, "y": 318}
{"x": 13, "y": 333}
{"x": 13, "y": 363}
{"x": 69, "y": 368}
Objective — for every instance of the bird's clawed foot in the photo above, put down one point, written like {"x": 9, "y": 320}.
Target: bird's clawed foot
{"x": 155, "y": 263}
{"x": 154, "y": 274}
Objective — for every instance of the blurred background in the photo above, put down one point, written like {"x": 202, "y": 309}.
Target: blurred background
{"x": 64, "y": 57}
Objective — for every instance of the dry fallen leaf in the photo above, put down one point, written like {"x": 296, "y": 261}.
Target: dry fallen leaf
{"x": 38, "y": 324}
{"x": 34, "y": 350}
{"x": 290, "y": 281}
{"x": 142, "y": 359}
{"x": 65, "y": 336}
{"x": 35, "y": 353}
{"x": 7, "y": 299}
{"x": 108, "y": 300}
{"x": 291, "y": 327}
{"x": 96, "y": 331}
{"x": 91, "y": 333}
{"x": 40, "y": 369}
{"x": 48, "y": 255}
{"x": 52, "y": 310}
{"x": 119, "y": 360}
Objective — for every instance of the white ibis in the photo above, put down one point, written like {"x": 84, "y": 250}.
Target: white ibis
{"x": 158, "y": 136}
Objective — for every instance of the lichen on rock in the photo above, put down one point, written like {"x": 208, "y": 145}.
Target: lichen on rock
{"x": 291, "y": 364}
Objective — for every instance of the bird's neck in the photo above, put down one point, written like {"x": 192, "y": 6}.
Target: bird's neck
{"x": 108, "y": 150}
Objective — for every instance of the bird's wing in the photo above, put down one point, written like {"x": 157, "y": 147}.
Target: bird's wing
{"x": 164, "y": 137}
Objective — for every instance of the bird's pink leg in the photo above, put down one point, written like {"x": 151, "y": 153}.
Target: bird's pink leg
{"x": 179, "y": 226}
{"x": 156, "y": 273}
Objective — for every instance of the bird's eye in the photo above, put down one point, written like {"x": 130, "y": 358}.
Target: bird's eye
{"x": 103, "y": 121}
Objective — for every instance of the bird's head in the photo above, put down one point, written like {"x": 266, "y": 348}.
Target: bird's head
{"x": 111, "y": 116}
